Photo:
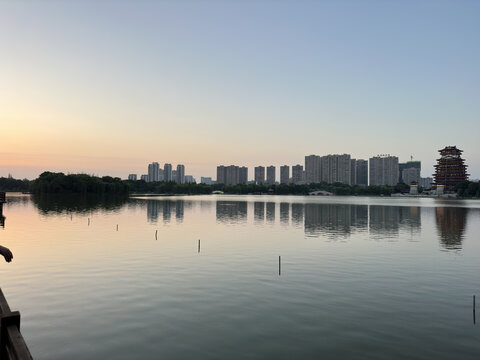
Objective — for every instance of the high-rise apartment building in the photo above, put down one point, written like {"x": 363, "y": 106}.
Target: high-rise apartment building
{"x": 153, "y": 172}
{"x": 167, "y": 172}
{"x": 221, "y": 174}
{"x": 132, "y": 177}
{"x": 144, "y": 177}
{"x": 180, "y": 174}
{"x": 271, "y": 175}
{"x": 243, "y": 175}
{"x": 297, "y": 174}
{"x": 353, "y": 173}
{"x": 259, "y": 175}
{"x": 409, "y": 165}
{"x": 284, "y": 174}
{"x": 410, "y": 175}
{"x": 361, "y": 172}
{"x": 232, "y": 175}
{"x": 313, "y": 169}
{"x": 384, "y": 170}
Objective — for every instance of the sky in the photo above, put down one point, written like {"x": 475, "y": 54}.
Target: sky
{"x": 106, "y": 87}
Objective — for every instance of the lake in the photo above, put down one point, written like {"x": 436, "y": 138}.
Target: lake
{"x": 198, "y": 277}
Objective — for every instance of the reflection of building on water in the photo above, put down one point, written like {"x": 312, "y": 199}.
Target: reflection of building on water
{"x": 297, "y": 214}
{"x": 384, "y": 220}
{"x": 451, "y": 224}
{"x": 387, "y": 221}
{"x": 259, "y": 210}
{"x": 155, "y": 208}
{"x": 284, "y": 213}
{"x": 179, "y": 210}
{"x": 335, "y": 219}
{"x": 271, "y": 212}
{"x": 410, "y": 219}
{"x": 231, "y": 211}
{"x": 167, "y": 210}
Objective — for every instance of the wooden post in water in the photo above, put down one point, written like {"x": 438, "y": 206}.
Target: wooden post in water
{"x": 279, "y": 265}
{"x": 156, "y": 232}
{"x": 198, "y": 245}
{"x": 117, "y": 227}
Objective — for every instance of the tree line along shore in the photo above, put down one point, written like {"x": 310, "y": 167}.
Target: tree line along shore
{"x": 59, "y": 183}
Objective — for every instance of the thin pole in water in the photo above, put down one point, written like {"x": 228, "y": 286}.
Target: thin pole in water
{"x": 279, "y": 265}
{"x": 117, "y": 227}
{"x": 156, "y": 232}
{"x": 474, "y": 319}
{"x": 198, "y": 245}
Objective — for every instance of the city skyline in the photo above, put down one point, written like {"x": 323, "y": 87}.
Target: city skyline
{"x": 102, "y": 88}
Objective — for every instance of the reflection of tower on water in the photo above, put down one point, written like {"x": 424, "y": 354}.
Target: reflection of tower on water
{"x": 451, "y": 224}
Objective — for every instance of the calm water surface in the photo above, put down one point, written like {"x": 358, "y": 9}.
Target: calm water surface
{"x": 361, "y": 278}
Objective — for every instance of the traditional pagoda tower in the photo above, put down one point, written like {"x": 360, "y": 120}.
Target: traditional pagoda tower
{"x": 450, "y": 169}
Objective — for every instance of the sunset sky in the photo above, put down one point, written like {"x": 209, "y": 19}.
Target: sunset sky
{"x": 105, "y": 87}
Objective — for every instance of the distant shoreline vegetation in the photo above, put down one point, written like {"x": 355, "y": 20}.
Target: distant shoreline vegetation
{"x": 59, "y": 183}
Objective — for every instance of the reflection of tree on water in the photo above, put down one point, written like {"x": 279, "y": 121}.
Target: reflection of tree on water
{"x": 451, "y": 224}
{"x": 77, "y": 203}
{"x": 231, "y": 211}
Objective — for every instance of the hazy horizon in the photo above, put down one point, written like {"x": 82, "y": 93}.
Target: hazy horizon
{"x": 107, "y": 87}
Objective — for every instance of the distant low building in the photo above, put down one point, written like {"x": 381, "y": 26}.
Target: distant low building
{"x": 144, "y": 177}
{"x": 189, "y": 179}
{"x": 426, "y": 183}
{"x": 206, "y": 180}
{"x": 132, "y": 177}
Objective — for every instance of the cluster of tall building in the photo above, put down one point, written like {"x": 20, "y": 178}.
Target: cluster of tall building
{"x": 232, "y": 175}
{"x": 341, "y": 168}
{"x": 336, "y": 168}
{"x": 167, "y": 174}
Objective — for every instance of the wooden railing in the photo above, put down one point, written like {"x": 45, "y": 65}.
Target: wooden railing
{"x": 12, "y": 345}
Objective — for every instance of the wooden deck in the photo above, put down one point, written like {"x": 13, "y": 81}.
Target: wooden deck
{"x": 12, "y": 345}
